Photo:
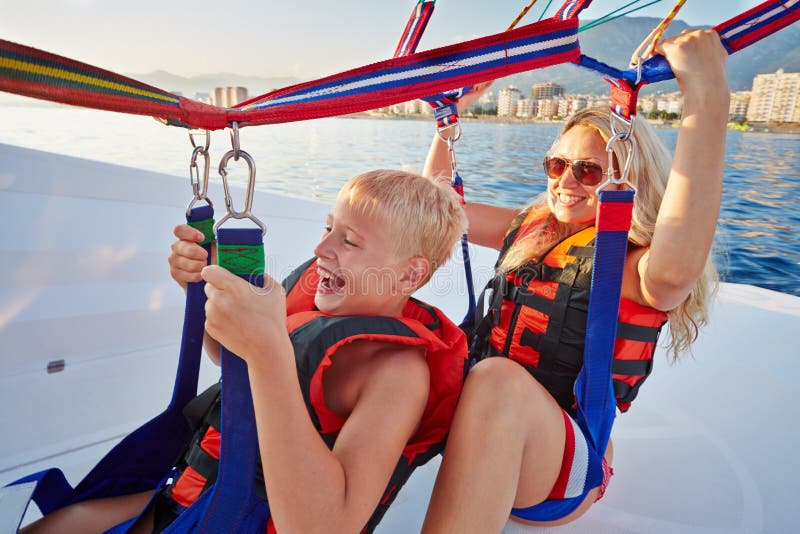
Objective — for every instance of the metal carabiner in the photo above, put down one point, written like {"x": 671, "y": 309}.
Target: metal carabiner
{"x": 235, "y": 141}
{"x": 246, "y": 213}
{"x": 206, "y": 133}
{"x": 199, "y": 186}
{"x": 627, "y": 129}
{"x": 624, "y": 137}
{"x": 451, "y": 141}
{"x": 451, "y": 155}
{"x": 456, "y": 137}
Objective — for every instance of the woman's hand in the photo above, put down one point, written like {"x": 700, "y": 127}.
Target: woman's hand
{"x": 470, "y": 97}
{"x": 188, "y": 258}
{"x": 244, "y": 318}
{"x": 698, "y": 59}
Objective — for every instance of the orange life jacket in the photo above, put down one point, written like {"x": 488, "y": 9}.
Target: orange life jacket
{"x": 538, "y": 313}
{"x": 315, "y": 338}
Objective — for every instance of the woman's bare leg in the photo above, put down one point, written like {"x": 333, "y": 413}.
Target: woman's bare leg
{"x": 505, "y": 449}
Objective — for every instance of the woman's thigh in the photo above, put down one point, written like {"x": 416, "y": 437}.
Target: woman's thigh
{"x": 513, "y": 393}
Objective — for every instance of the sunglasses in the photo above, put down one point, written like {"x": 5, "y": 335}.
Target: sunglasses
{"x": 586, "y": 172}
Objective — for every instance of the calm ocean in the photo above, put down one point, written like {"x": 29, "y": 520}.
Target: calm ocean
{"x": 758, "y": 241}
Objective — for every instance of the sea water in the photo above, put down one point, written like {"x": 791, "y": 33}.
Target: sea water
{"x": 757, "y": 241}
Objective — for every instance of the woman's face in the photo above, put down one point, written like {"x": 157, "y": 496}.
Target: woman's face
{"x": 571, "y": 201}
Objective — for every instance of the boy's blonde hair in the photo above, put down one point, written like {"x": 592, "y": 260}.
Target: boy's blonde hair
{"x": 424, "y": 217}
{"x": 649, "y": 174}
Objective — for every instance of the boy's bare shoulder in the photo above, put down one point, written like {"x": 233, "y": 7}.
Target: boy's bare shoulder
{"x": 369, "y": 361}
{"x": 367, "y": 369}
{"x": 397, "y": 372}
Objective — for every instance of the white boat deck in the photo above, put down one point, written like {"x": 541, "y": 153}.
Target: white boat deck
{"x": 707, "y": 447}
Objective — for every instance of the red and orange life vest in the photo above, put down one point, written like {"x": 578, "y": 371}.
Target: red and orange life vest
{"x": 315, "y": 338}
{"x": 538, "y": 317}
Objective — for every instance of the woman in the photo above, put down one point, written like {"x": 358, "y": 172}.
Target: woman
{"x": 510, "y": 444}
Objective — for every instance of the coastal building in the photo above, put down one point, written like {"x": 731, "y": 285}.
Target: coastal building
{"x": 571, "y": 104}
{"x": 413, "y": 107}
{"x": 526, "y": 108}
{"x": 646, "y": 104}
{"x": 546, "y": 91}
{"x": 228, "y": 96}
{"x": 775, "y": 98}
{"x": 547, "y": 108}
{"x": 671, "y": 103}
{"x": 487, "y": 101}
{"x": 507, "y": 101}
{"x": 740, "y": 101}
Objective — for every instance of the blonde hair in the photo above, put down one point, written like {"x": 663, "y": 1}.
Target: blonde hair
{"x": 425, "y": 217}
{"x": 649, "y": 173}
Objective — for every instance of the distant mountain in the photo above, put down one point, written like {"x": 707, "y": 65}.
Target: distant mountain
{"x": 205, "y": 83}
{"x": 611, "y": 43}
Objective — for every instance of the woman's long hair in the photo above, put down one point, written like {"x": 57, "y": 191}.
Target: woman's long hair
{"x": 649, "y": 173}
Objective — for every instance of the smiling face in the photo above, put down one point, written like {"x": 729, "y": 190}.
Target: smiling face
{"x": 360, "y": 271}
{"x": 571, "y": 201}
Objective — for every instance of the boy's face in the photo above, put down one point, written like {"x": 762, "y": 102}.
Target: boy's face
{"x": 360, "y": 273}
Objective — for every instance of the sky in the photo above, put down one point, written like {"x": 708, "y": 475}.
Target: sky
{"x": 300, "y": 38}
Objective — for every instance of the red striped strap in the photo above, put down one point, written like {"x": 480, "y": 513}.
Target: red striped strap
{"x": 614, "y": 216}
{"x": 415, "y": 27}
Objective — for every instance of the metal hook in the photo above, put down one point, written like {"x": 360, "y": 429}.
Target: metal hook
{"x": 456, "y": 127}
{"x": 206, "y": 133}
{"x": 616, "y": 119}
{"x": 199, "y": 185}
{"x": 451, "y": 154}
{"x": 235, "y": 140}
{"x": 251, "y": 184}
{"x": 639, "y": 64}
{"x": 624, "y": 137}
{"x": 451, "y": 140}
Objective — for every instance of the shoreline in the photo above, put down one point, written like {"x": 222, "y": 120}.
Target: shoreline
{"x": 772, "y": 128}
{"x": 780, "y": 128}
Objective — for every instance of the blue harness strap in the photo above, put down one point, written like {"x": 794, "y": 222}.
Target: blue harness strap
{"x": 230, "y": 505}
{"x": 571, "y": 8}
{"x": 594, "y": 391}
{"x": 445, "y": 113}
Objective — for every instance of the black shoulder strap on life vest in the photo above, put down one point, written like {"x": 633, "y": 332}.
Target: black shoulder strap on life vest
{"x": 624, "y": 392}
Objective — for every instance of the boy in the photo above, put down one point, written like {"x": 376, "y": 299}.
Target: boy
{"x": 330, "y": 438}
